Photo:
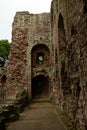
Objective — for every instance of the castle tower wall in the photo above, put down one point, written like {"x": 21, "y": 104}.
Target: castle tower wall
{"x": 28, "y": 30}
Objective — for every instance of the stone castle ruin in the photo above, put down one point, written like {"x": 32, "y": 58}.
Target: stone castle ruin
{"x": 48, "y": 58}
{"x": 30, "y": 62}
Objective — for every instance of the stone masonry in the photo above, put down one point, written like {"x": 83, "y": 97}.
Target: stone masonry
{"x": 48, "y": 58}
{"x": 31, "y": 39}
{"x": 69, "y": 37}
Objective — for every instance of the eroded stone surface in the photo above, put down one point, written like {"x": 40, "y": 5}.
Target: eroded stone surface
{"x": 60, "y": 38}
{"x": 69, "y": 24}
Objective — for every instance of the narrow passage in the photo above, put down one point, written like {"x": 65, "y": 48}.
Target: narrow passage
{"x": 39, "y": 116}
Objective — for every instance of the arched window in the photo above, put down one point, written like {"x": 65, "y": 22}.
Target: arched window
{"x": 40, "y": 56}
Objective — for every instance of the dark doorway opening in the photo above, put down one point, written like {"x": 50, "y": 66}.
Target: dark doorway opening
{"x": 40, "y": 87}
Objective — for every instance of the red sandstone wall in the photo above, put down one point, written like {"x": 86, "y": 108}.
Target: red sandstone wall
{"x": 28, "y": 31}
{"x": 72, "y": 60}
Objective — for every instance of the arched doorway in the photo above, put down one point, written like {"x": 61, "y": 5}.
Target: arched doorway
{"x": 40, "y": 87}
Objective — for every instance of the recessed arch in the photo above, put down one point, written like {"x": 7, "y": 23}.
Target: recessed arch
{"x": 61, "y": 23}
{"x": 62, "y": 51}
{"x": 61, "y": 34}
{"x": 40, "y": 87}
{"x": 40, "y": 56}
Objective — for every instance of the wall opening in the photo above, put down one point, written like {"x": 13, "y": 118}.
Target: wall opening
{"x": 40, "y": 87}
{"x": 61, "y": 34}
{"x": 78, "y": 89}
{"x": 3, "y": 78}
{"x": 61, "y": 24}
{"x": 40, "y": 56}
{"x": 62, "y": 52}
{"x": 85, "y": 6}
{"x": 85, "y": 9}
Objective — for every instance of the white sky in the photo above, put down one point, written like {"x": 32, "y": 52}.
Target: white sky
{"x": 8, "y": 9}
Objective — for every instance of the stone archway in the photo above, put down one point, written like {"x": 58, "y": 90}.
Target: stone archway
{"x": 40, "y": 87}
{"x": 40, "y": 56}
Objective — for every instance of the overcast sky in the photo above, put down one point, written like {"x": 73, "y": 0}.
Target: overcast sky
{"x": 8, "y": 9}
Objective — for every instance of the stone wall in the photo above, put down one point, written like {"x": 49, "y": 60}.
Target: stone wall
{"x": 69, "y": 37}
{"x": 16, "y": 66}
{"x": 60, "y": 38}
{"x": 28, "y": 30}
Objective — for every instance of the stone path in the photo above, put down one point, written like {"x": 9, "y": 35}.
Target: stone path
{"x": 39, "y": 116}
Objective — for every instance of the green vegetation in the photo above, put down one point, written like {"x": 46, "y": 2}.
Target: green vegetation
{"x": 4, "y": 51}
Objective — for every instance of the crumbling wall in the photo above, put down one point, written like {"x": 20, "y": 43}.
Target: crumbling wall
{"x": 17, "y": 61}
{"x": 69, "y": 37}
{"x": 64, "y": 33}
{"x": 28, "y": 30}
